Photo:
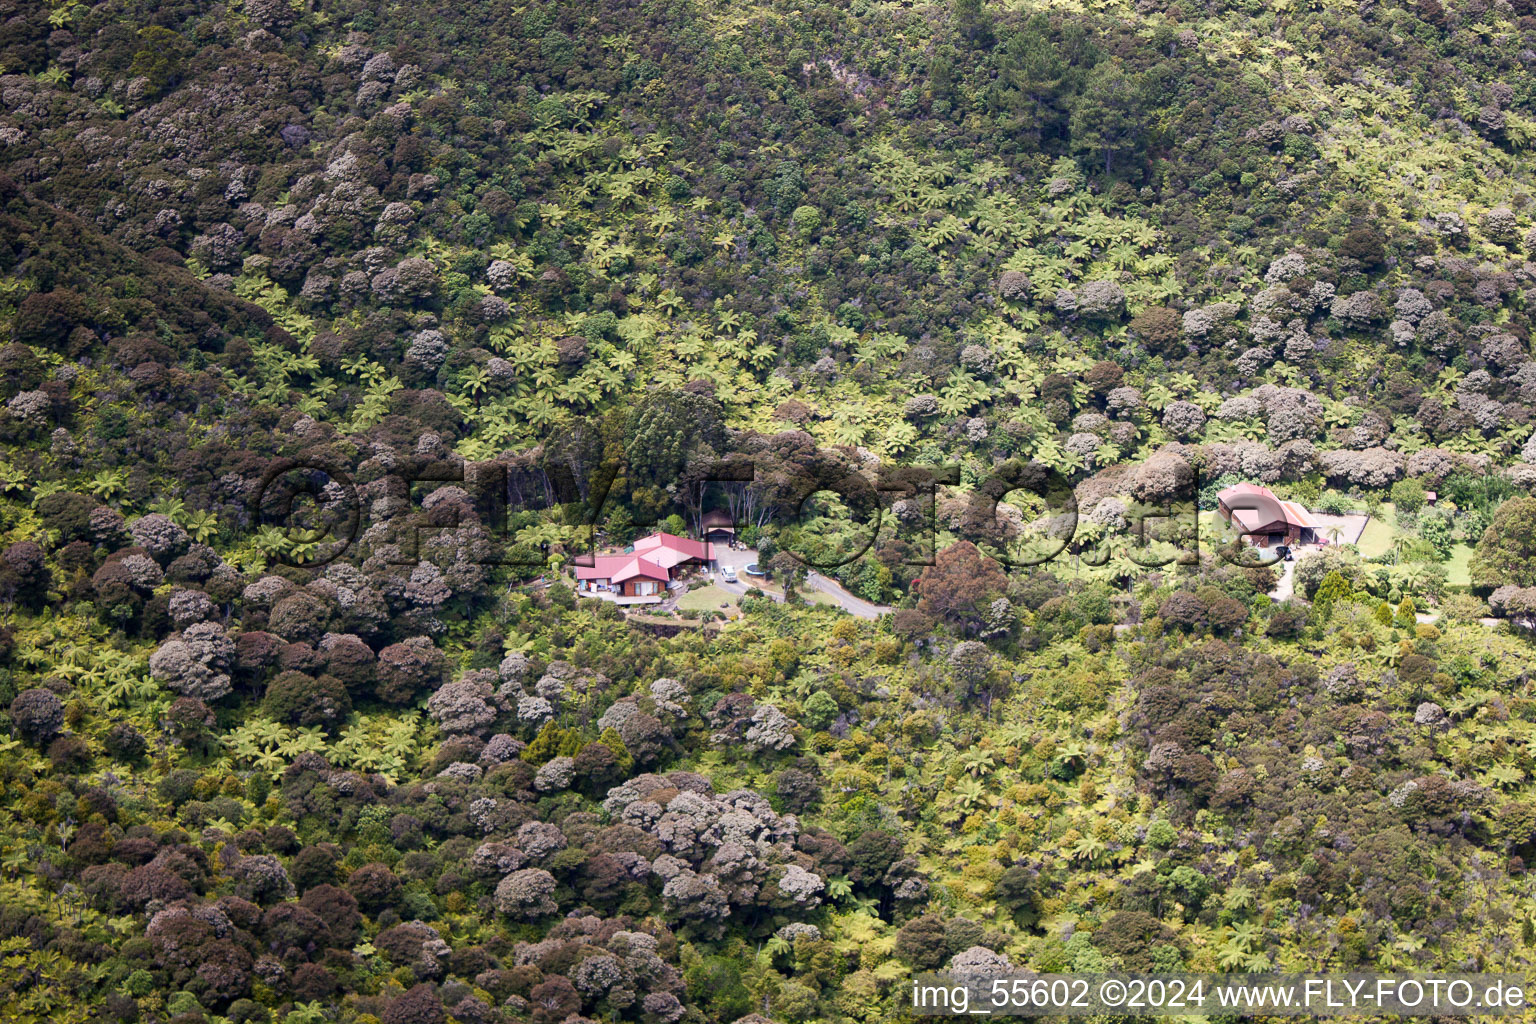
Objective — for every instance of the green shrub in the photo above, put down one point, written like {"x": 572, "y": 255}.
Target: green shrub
{"x": 1408, "y": 495}
{"x": 1161, "y": 834}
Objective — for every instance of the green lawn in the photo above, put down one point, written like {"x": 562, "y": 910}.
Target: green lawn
{"x": 709, "y": 599}
{"x": 774, "y": 590}
{"x": 1457, "y": 572}
{"x": 1377, "y": 538}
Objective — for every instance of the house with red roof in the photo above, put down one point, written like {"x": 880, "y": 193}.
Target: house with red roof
{"x": 626, "y": 575}
{"x": 671, "y": 551}
{"x": 1263, "y": 518}
{"x": 647, "y": 569}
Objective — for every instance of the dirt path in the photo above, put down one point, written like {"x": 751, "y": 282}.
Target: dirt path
{"x": 1426, "y": 618}
{"x": 1286, "y": 585}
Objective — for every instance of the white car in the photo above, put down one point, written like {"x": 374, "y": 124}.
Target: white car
{"x": 728, "y": 573}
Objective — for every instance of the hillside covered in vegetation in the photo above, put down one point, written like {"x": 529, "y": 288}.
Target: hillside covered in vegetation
{"x": 337, "y": 337}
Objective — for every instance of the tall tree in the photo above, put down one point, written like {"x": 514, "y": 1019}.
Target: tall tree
{"x": 1111, "y": 116}
{"x": 1507, "y": 552}
{"x": 961, "y": 585}
{"x": 973, "y": 23}
{"x": 1036, "y": 67}
{"x": 667, "y": 431}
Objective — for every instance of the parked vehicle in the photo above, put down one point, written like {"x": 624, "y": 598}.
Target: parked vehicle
{"x": 728, "y": 573}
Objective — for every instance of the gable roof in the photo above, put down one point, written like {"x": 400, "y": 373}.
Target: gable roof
{"x": 1250, "y": 520}
{"x": 669, "y": 550}
{"x": 1298, "y": 516}
{"x": 1243, "y": 490}
{"x": 1266, "y": 509}
{"x": 640, "y": 568}
{"x": 618, "y": 568}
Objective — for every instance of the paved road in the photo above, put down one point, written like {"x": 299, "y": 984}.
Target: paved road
{"x": 850, "y": 604}
{"x": 856, "y": 606}
{"x": 742, "y": 585}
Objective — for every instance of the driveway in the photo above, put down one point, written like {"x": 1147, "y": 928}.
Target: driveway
{"x": 1348, "y": 529}
{"x": 738, "y": 559}
{"x": 1286, "y": 585}
{"x": 739, "y": 588}
{"x": 855, "y": 606}
{"x": 852, "y": 605}
{"x": 1429, "y": 618}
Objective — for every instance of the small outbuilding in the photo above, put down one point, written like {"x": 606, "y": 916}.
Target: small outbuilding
{"x": 717, "y": 525}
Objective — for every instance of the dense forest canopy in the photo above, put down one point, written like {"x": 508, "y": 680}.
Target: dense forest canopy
{"x": 340, "y": 341}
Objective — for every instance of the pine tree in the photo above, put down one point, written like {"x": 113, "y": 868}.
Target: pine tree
{"x": 1111, "y": 115}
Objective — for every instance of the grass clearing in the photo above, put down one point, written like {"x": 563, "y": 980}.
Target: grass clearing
{"x": 1376, "y": 541}
{"x": 708, "y": 599}
{"x": 1458, "y": 571}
